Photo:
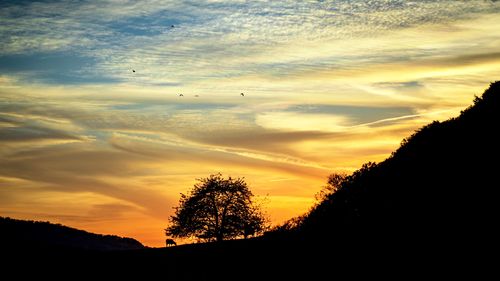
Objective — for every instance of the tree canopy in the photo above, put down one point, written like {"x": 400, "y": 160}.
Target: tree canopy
{"x": 334, "y": 183}
{"x": 217, "y": 209}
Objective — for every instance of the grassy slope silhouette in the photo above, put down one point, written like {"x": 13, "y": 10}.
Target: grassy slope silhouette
{"x": 440, "y": 182}
{"x": 433, "y": 197}
{"x": 31, "y": 235}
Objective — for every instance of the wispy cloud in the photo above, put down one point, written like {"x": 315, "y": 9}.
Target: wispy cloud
{"x": 252, "y": 37}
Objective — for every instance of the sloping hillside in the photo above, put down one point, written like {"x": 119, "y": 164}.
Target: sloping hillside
{"x": 441, "y": 181}
{"x": 20, "y": 234}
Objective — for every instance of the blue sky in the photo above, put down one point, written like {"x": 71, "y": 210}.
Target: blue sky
{"x": 328, "y": 86}
{"x": 101, "y": 41}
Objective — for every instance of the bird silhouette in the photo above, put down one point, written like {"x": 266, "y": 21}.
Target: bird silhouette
{"x": 133, "y": 70}
{"x": 181, "y": 95}
{"x": 172, "y": 26}
{"x": 242, "y": 94}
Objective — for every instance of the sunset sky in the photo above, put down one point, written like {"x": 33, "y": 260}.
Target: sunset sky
{"x": 328, "y": 86}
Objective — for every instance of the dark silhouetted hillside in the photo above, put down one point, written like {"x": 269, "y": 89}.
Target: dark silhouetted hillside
{"x": 430, "y": 209}
{"x": 22, "y": 235}
{"x": 440, "y": 185}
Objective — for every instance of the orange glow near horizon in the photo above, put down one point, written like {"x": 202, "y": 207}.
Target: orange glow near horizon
{"x": 88, "y": 143}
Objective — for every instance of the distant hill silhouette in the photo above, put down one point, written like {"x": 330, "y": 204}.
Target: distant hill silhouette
{"x": 29, "y": 235}
{"x": 441, "y": 184}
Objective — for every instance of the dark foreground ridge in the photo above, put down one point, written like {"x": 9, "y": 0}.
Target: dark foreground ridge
{"x": 431, "y": 207}
{"x": 440, "y": 184}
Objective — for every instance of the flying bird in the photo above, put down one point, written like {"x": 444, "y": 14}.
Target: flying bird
{"x": 242, "y": 94}
{"x": 181, "y": 95}
{"x": 133, "y": 70}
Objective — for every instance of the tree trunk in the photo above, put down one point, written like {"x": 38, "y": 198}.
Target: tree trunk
{"x": 219, "y": 237}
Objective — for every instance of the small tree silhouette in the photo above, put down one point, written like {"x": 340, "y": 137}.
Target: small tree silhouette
{"x": 217, "y": 209}
{"x": 334, "y": 183}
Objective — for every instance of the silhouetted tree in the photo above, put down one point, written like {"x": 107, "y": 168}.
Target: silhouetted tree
{"x": 217, "y": 209}
{"x": 334, "y": 183}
